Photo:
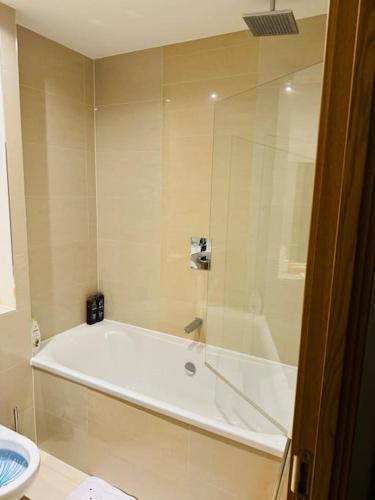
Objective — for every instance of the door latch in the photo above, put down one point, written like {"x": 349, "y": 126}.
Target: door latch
{"x": 301, "y": 475}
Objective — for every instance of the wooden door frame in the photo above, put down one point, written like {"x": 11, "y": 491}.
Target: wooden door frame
{"x": 341, "y": 255}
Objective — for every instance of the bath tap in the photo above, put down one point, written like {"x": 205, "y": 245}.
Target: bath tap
{"x": 194, "y": 325}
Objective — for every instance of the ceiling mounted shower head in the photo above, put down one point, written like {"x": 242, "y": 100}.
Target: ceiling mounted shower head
{"x": 272, "y": 23}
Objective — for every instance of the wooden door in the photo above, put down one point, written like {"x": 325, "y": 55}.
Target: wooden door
{"x": 341, "y": 259}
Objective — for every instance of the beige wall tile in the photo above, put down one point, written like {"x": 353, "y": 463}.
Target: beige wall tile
{"x": 136, "y": 76}
{"x": 59, "y": 149}
{"x": 91, "y": 175}
{"x": 182, "y": 95}
{"x": 26, "y": 422}
{"x": 51, "y": 119}
{"x": 223, "y": 62}
{"x": 89, "y": 127}
{"x": 52, "y": 171}
{"x": 20, "y": 270}
{"x": 185, "y": 204}
{"x": 62, "y": 265}
{"x": 130, "y": 262}
{"x": 137, "y": 304}
{"x": 175, "y": 314}
{"x": 53, "y": 68}
{"x": 62, "y": 419}
{"x": 135, "y": 126}
{"x": 60, "y": 308}
{"x": 131, "y": 477}
{"x": 93, "y": 232}
{"x": 131, "y": 173}
{"x": 184, "y": 158}
{"x": 61, "y": 398}
{"x": 57, "y": 220}
{"x": 194, "y": 120}
{"x": 244, "y": 473}
{"x": 280, "y": 56}
{"x": 89, "y": 81}
{"x": 177, "y": 279}
{"x": 138, "y": 263}
{"x": 62, "y": 275}
{"x": 126, "y": 219}
{"x": 14, "y": 336}
{"x": 16, "y": 390}
{"x": 62, "y": 439}
{"x": 145, "y": 439}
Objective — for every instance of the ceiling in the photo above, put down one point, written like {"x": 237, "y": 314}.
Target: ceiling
{"x": 100, "y": 28}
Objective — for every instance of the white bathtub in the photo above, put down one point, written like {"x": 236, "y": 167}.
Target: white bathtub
{"x": 148, "y": 368}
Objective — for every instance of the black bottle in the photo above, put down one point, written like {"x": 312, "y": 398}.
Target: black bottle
{"x": 100, "y": 306}
{"x": 91, "y": 310}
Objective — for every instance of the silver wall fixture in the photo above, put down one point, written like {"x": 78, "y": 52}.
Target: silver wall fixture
{"x": 194, "y": 325}
{"x": 200, "y": 253}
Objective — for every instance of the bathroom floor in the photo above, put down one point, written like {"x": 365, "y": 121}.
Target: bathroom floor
{"x": 55, "y": 480}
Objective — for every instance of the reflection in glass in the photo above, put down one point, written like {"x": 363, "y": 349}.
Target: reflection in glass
{"x": 262, "y": 184}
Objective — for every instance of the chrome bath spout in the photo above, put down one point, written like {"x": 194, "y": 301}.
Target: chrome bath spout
{"x": 194, "y": 325}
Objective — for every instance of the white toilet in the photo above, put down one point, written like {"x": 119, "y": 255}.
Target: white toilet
{"x": 19, "y": 464}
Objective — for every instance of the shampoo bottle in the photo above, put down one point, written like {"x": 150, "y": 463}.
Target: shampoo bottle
{"x": 91, "y": 310}
{"x": 100, "y": 306}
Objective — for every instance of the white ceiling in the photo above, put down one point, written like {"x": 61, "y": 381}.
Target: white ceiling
{"x": 100, "y": 28}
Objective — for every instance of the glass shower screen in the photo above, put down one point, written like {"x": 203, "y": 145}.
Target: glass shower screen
{"x": 262, "y": 184}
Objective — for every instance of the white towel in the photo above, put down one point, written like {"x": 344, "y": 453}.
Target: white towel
{"x": 94, "y": 488}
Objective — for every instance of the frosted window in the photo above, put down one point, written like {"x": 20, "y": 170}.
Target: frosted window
{"x": 7, "y": 295}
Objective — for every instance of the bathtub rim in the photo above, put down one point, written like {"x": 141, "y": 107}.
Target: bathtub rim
{"x": 272, "y": 444}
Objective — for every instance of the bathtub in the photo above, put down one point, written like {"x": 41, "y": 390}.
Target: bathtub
{"x": 147, "y": 368}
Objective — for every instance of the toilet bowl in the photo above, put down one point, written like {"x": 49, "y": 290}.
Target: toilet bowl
{"x": 19, "y": 464}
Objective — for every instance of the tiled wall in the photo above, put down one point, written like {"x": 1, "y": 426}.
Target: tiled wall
{"x": 196, "y": 74}
{"x": 150, "y": 456}
{"x": 15, "y": 343}
{"x": 128, "y": 155}
{"x": 154, "y": 136}
{"x": 154, "y": 126}
{"x": 57, "y": 99}
{"x": 155, "y": 123}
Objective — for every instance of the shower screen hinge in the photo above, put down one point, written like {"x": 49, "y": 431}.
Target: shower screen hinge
{"x": 301, "y": 475}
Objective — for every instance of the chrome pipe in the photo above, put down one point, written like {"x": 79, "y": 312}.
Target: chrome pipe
{"x": 15, "y": 419}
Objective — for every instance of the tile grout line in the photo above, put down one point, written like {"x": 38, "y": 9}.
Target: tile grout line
{"x": 96, "y": 176}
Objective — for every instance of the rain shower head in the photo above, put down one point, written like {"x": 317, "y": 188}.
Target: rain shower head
{"x": 271, "y": 23}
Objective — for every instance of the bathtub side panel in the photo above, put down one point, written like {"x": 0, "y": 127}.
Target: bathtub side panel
{"x": 61, "y": 414}
{"x": 125, "y": 444}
